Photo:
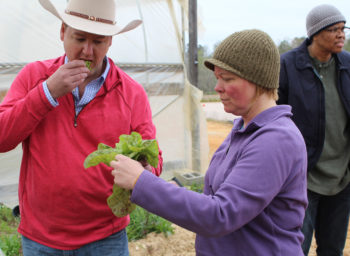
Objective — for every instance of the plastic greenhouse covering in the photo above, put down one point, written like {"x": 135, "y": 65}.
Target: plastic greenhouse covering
{"x": 153, "y": 54}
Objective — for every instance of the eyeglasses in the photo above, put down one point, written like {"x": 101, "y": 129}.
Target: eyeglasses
{"x": 336, "y": 30}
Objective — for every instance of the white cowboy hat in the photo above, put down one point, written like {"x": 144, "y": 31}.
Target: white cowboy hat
{"x": 92, "y": 16}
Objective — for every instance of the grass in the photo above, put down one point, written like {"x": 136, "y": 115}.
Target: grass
{"x": 143, "y": 222}
{"x": 10, "y": 240}
{"x": 196, "y": 187}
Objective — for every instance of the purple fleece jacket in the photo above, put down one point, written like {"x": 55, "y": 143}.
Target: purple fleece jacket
{"x": 254, "y": 195}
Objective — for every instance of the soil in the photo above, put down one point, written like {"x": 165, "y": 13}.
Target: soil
{"x": 181, "y": 243}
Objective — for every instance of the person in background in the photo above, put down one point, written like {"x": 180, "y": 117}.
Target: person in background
{"x": 60, "y": 110}
{"x": 254, "y": 196}
{"x": 315, "y": 81}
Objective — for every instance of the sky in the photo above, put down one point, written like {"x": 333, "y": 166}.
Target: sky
{"x": 282, "y": 20}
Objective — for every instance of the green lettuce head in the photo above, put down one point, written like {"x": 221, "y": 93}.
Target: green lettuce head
{"x": 129, "y": 145}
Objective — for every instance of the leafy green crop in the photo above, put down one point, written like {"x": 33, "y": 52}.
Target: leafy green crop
{"x": 143, "y": 222}
{"x": 129, "y": 145}
{"x": 10, "y": 239}
{"x": 88, "y": 64}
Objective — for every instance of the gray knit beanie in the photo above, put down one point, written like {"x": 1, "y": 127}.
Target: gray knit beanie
{"x": 322, "y": 16}
{"x": 250, "y": 54}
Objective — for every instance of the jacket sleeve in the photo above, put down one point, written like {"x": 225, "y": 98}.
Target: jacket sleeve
{"x": 251, "y": 185}
{"x": 22, "y": 109}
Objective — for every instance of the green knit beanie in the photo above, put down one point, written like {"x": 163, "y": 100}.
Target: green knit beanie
{"x": 250, "y": 54}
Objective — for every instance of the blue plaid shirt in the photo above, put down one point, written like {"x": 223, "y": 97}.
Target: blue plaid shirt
{"x": 90, "y": 90}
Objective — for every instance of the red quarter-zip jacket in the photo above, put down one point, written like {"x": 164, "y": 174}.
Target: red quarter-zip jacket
{"x": 62, "y": 204}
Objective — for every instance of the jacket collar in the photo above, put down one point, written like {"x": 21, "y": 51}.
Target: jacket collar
{"x": 302, "y": 55}
{"x": 263, "y": 118}
{"x": 303, "y": 58}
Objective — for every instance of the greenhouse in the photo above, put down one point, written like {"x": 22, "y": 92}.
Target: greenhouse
{"x": 153, "y": 54}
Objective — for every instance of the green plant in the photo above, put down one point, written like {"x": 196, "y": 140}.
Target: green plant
{"x": 129, "y": 145}
{"x": 143, "y": 222}
{"x": 11, "y": 244}
{"x": 197, "y": 187}
{"x": 10, "y": 240}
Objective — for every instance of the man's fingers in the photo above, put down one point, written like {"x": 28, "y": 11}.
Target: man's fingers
{"x": 75, "y": 64}
{"x": 75, "y": 79}
{"x": 75, "y": 67}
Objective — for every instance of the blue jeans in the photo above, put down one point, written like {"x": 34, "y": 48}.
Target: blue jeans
{"x": 329, "y": 217}
{"x": 114, "y": 245}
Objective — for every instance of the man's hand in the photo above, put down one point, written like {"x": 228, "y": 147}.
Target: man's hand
{"x": 67, "y": 77}
{"x": 126, "y": 171}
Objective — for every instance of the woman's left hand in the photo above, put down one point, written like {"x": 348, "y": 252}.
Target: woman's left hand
{"x": 126, "y": 171}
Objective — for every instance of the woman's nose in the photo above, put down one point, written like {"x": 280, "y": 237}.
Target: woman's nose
{"x": 218, "y": 88}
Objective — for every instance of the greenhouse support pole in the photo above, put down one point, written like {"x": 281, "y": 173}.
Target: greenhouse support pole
{"x": 192, "y": 44}
{"x": 193, "y": 77}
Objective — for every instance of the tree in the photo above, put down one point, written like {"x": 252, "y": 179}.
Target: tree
{"x": 297, "y": 41}
{"x": 206, "y": 78}
{"x": 284, "y": 46}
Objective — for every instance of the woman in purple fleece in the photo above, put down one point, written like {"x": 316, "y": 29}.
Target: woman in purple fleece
{"x": 255, "y": 187}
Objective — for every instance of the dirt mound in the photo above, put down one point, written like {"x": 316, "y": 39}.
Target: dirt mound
{"x": 181, "y": 243}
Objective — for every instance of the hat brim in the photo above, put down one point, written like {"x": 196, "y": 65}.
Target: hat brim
{"x": 93, "y": 27}
{"x": 211, "y": 63}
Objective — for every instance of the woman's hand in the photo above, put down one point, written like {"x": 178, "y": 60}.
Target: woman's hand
{"x": 126, "y": 171}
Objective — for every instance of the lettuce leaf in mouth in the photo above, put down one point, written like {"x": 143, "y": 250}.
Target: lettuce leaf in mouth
{"x": 129, "y": 145}
{"x": 88, "y": 64}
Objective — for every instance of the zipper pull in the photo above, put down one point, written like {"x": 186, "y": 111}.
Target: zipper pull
{"x": 75, "y": 121}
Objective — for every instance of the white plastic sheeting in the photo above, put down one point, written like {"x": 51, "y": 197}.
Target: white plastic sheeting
{"x": 152, "y": 54}
{"x": 29, "y": 32}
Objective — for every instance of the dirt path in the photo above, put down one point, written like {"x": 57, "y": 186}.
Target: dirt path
{"x": 181, "y": 243}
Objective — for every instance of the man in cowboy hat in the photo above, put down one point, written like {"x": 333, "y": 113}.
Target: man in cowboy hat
{"x": 60, "y": 110}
